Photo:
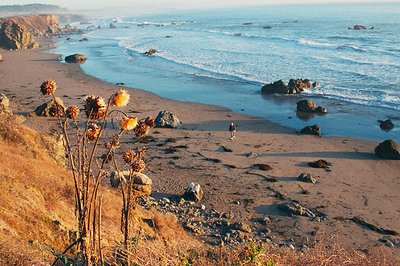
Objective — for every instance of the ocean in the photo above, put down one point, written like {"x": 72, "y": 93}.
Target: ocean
{"x": 224, "y": 57}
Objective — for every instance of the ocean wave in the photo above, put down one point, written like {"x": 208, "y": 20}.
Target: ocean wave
{"x": 316, "y": 43}
{"x": 366, "y": 97}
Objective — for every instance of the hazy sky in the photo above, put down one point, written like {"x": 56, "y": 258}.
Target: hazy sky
{"x": 171, "y": 4}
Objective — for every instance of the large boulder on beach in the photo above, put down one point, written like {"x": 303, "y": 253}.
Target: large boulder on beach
{"x": 386, "y": 125}
{"x": 167, "y": 119}
{"x": 278, "y": 87}
{"x": 311, "y": 130}
{"x": 308, "y": 106}
{"x": 142, "y": 184}
{"x": 75, "y": 58}
{"x": 5, "y": 105}
{"x": 53, "y": 108}
{"x": 14, "y": 36}
{"x": 193, "y": 192}
{"x": 388, "y": 149}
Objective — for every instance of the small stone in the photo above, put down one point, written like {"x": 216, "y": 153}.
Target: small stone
{"x": 307, "y": 178}
{"x": 193, "y": 193}
{"x": 228, "y": 215}
{"x": 252, "y": 155}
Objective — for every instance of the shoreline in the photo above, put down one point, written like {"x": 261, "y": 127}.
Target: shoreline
{"x": 238, "y": 97}
{"x": 356, "y": 173}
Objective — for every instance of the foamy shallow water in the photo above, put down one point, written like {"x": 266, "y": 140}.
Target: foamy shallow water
{"x": 224, "y": 57}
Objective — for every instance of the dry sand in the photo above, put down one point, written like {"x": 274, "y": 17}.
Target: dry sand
{"x": 358, "y": 185}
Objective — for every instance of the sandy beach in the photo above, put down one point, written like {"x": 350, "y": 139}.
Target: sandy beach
{"x": 357, "y": 185}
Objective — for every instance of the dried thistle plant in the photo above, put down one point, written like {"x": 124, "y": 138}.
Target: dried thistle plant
{"x": 120, "y": 99}
{"x": 95, "y": 107}
{"x": 83, "y": 157}
{"x": 48, "y": 87}
{"x": 72, "y": 112}
{"x": 128, "y": 123}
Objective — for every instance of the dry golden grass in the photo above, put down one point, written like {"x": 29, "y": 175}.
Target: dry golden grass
{"x": 37, "y": 218}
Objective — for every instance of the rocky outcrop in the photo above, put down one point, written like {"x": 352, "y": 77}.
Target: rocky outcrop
{"x": 55, "y": 148}
{"x": 386, "y": 125}
{"x": 193, "y": 193}
{"x": 75, "y": 58}
{"x": 39, "y": 25}
{"x": 167, "y": 120}
{"x": 279, "y": 87}
{"x": 53, "y": 108}
{"x": 18, "y": 32}
{"x": 308, "y": 106}
{"x": 388, "y": 149}
{"x": 5, "y": 105}
{"x": 311, "y": 130}
{"x": 14, "y": 36}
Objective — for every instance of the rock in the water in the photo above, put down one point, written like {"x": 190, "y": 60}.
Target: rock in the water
{"x": 151, "y": 52}
{"x": 388, "y": 149}
{"x": 311, "y": 130}
{"x": 83, "y": 40}
{"x": 315, "y": 84}
{"x": 142, "y": 184}
{"x": 278, "y": 87}
{"x": 359, "y": 27}
{"x": 308, "y": 106}
{"x": 16, "y": 36}
{"x": 298, "y": 85}
{"x": 167, "y": 120}
{"x": 75, "y": 58}
{"x": 112, "y": 26}
{"x": 55, "y": 147}
{"x": 386, "y": 125}
{"x": 307, "y": 178}
{"x": 5, "y": 105}
{"x": 293, "y": 208}
{"x": 193, "y": 193}
{"x": 53, "y": 108}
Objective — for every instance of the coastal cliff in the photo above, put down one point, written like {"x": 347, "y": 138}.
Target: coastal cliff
{"x": 18, "y": 32}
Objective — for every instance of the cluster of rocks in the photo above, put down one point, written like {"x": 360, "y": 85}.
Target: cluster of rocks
{"x": 196, "y": 219}
{"x": 293, "y": 87}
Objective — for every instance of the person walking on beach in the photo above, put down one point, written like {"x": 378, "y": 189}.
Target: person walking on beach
{"x": 232, "y": 129}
